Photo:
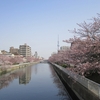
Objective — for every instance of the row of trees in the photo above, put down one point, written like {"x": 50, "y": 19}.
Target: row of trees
{"x": 83, "y": 56}
{"x": 6, "y": 60}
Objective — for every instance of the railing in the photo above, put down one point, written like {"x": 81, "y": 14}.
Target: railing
{"x": 88, "y": 84}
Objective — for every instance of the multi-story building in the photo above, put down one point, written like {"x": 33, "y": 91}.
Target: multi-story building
{"x": 64, "y": 48}
{"x": 25, "y": 50}
{"x": 14, "y": 50}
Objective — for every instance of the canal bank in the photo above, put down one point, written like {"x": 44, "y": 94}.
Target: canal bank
{"x": 4, "y": 70}
{"x": 82, "y": 87}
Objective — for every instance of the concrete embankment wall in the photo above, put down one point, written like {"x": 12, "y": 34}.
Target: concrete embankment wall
{"x": 83, "y": 88}
{"x": 14, "y": 67}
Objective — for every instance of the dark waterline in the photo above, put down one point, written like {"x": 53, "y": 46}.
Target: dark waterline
{"x": 38, "y": 82}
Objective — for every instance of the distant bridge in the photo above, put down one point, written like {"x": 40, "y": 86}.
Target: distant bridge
{"x": 43, "y": 61}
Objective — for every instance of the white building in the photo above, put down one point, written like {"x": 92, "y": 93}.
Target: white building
{"x": 0, "y": 52}
{"x": 64, "y": 48}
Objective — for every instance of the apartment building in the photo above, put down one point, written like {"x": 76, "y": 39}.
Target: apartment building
{"x": 25, "y": 50}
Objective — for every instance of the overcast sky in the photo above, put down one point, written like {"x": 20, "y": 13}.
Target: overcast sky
{"x": 39, "y": 22}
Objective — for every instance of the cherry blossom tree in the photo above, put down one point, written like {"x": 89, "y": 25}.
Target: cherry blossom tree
{"x": 4, "y": 60}
{"x": 84, "y": 53}
{"x": 29, "y": 59}
{"x": 16, "y": 60}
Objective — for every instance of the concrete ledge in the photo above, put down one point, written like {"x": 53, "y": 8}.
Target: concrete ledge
{"x": 14, "y": 67}
{"x": 84, "y": 88}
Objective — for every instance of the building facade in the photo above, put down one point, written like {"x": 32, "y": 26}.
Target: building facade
{"x": 64, "y": 48}
{"x": 25, "y": 50}
{"x": 14, "y": 50}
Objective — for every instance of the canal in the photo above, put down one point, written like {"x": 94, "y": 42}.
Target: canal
{"x": 37, "y": 82}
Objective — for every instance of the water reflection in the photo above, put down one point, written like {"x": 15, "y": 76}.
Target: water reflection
{"x": 24, "y": 76}
{"x": 62, "y": 93}
{"x": 41, "y": 83}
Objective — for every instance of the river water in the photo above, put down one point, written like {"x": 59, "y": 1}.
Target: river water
{"x": 37, "y": 82}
